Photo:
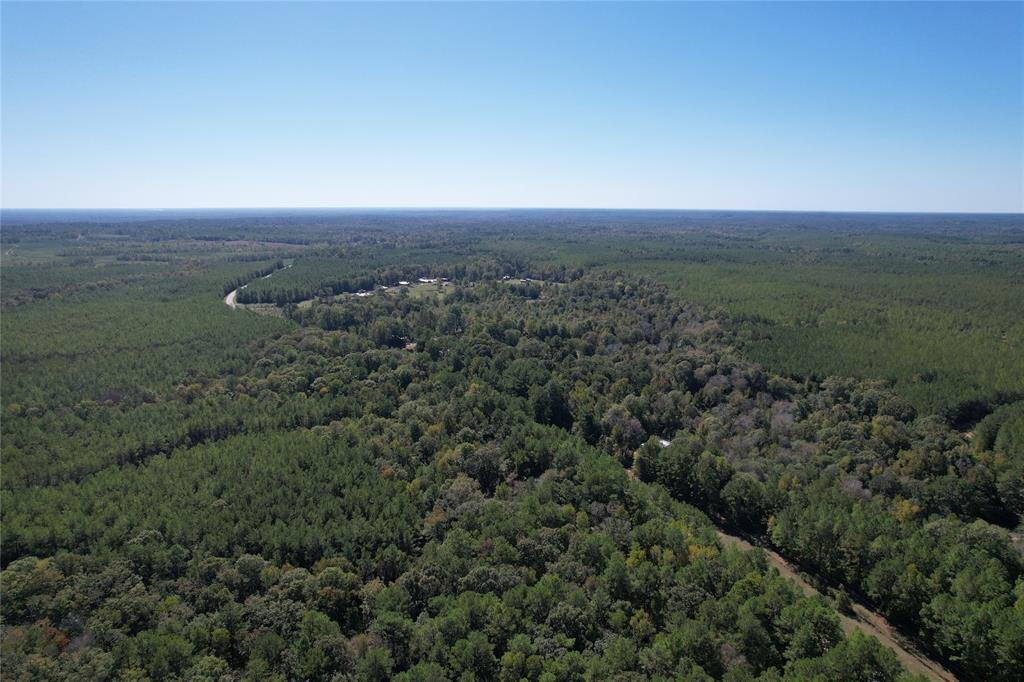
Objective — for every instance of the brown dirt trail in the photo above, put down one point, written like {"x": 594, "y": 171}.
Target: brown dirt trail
{"x": 864, "y": 619}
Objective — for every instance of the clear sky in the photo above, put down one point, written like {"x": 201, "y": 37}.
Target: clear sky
{"x": 863, "y": 106}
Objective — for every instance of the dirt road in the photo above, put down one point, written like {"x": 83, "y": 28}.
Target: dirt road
{"x": 229, "y": 300}
{"x": 865, "y": 620}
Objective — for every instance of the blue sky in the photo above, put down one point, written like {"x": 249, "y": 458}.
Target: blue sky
{"x": 863, "y": 106}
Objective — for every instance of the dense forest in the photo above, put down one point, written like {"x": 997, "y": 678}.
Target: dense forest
{"x": 515, "y": 471}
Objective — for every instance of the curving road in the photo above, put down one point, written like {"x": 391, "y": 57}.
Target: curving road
{"x": 230, "y": 299}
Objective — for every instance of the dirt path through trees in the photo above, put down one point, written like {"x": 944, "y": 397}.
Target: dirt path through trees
{"x": 864, "y": 619}
{"x": 229, "y": 300}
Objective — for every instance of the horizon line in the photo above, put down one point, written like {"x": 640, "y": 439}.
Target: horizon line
{"x": 159, "y": 209}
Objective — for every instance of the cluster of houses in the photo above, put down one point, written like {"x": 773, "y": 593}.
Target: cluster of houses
{"x": 443, "y": 281}
{"x": 362, "y": 293}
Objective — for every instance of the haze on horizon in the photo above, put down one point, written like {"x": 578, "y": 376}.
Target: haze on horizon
{"x": 839, "y": 107}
